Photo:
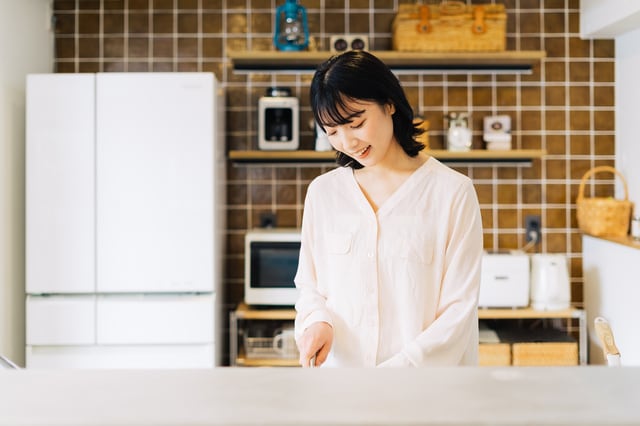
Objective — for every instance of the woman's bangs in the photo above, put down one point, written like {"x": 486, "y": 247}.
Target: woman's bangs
{"x": 334, "y": 111}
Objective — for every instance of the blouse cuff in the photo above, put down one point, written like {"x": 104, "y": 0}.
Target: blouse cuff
{"x": 317, "y": 316}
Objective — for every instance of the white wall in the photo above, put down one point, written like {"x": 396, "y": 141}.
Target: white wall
{"x": 26, "y": 46}
{"x": 627, "y": 93}
{"x": 620, "y": 19}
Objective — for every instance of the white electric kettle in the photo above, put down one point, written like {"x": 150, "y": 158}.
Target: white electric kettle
{"x": 550, "y": 286}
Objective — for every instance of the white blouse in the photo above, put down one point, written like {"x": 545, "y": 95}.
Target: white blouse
{"x": 400, "y": 286}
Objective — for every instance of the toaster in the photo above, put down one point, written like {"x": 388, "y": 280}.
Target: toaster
{"x": 504, "y": 280}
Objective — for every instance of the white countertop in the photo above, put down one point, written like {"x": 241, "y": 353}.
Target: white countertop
{"x": 292, "y": 396}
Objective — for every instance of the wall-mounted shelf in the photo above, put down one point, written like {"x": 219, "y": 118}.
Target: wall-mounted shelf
{"x": 520, "y": 156}
{"x": 517, "y": 61}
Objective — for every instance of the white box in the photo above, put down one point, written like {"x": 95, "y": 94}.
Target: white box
{"x": 505, "y": 280}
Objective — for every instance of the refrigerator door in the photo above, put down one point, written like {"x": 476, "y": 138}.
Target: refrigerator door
{"x": 155, "y": 319}
{"x": 61, "y": 320}
{"x": 60, "y": 170}
{"x": 155, "y": 182}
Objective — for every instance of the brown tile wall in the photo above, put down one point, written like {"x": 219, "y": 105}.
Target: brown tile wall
{"x": 565, "y": 106}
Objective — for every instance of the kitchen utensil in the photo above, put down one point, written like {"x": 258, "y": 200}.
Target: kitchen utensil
{"x": 550, "y": 287}
{"x": 604, "y": 333}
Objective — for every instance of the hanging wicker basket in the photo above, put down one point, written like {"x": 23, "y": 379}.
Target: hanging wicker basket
{"x": 603, "y": 216}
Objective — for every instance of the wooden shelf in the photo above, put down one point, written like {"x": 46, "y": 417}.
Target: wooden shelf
{"x": 243, "y": 311}
{"x": 242, "y": 361}
{"x": 506, "y": 61}
{"x": 527, "y": 313}
{"x": 473, "y": 156}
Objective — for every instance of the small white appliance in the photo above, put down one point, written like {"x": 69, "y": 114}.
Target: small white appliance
{"x": 278, "y": 120}
{"x": 459, "y": 136}
{"x": 497, "y": 132}
{"x": 550, "y": 287}
{"x": 271, "y": 262}
{"x": 504, "y": 281}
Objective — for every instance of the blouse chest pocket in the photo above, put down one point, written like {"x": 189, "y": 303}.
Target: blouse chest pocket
{"x": 411, "y": 249}
{"x": 339, "y": 243}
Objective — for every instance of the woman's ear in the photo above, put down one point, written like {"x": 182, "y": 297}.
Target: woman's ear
{"x": 391, "y": 108}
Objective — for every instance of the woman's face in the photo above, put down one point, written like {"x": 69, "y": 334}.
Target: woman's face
{"x": 368, "y": 135}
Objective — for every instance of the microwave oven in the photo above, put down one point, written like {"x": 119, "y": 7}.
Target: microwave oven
{"x": 271, "y": 262}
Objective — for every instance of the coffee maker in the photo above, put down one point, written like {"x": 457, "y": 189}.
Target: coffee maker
{"x": 278, "y": 120}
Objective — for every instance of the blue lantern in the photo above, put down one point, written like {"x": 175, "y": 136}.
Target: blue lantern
{"x": 291, "y": 28}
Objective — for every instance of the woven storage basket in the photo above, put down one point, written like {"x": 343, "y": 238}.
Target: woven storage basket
{"x": 545, "y": 353}
{"x": 450, "y": 26}
{"x": 494, "y": 354}
{"x": 603, "y": 216}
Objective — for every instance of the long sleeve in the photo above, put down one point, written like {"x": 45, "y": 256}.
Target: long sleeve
{"x": 311, "y": 304}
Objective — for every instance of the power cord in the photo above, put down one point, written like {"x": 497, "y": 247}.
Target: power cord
{"x": 534, "y": 238}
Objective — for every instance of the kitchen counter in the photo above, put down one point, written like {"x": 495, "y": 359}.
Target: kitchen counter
{"x": 625, "y": 240}
{"x": 292, "y": 396}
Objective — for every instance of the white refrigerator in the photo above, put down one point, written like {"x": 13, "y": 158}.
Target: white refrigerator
{"x": 124, "y": 220}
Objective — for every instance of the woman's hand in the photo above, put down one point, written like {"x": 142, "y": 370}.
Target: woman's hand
{"x": 315, "y": 341}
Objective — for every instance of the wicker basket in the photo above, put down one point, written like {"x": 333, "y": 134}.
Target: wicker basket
{"x": 494, "y": 354}
{"x": 545, "y": 353}
{"x": 603, "y": 216}
{"x": 450, "y": 26}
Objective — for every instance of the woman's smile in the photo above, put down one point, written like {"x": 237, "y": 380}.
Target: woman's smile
{"x": 361, "y": 153}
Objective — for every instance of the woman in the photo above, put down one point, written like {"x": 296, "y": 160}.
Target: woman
{"x": 389, "y": 266}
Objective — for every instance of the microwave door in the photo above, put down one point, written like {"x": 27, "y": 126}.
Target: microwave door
{"x": 271, "y": 269}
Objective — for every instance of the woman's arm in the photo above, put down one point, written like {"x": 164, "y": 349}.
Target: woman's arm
{"x": 313, "y": 325}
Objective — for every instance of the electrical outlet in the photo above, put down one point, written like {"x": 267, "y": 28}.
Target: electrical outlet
{"x": 268, "y": 220}
{"x": 533, "y": 229}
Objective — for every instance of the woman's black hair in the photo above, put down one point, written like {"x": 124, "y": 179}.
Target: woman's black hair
{"x": 359, "y": 75}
